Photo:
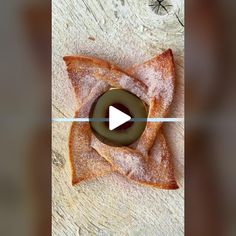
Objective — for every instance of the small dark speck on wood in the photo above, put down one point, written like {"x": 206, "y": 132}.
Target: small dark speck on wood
{"x": 91, "y": 38}
{"x": 116, "y": 14}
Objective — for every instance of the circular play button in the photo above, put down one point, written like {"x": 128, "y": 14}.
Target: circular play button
{"x": 118, "y": 117}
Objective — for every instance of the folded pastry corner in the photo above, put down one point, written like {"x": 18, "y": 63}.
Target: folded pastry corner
{"x": 85, "y": 162}
{"x": 150, "y": 161}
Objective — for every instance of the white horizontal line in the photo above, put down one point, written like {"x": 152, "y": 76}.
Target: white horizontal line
{"x": 165, "y": 119}
{"x": 107, "y": 119}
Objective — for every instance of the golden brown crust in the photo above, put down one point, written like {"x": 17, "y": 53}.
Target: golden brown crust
{"x": 86, "y": 163}
{"x": 153, "y": 81}
{"x": 89, "y": 60}
{"x": 84, "y": 168}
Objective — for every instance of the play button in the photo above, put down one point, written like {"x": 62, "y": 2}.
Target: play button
{"x": 112, "y": 117}
{"x": 117, "y": 118}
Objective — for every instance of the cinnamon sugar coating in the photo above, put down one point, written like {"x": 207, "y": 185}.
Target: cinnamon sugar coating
{"x": 149, "y": 161}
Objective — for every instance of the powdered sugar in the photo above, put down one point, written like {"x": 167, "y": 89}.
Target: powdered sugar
{"x": 159, "y": 84}
{"x": 129, "y": 84}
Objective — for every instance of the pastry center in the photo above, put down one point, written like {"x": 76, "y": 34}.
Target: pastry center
{"x": 118, "y": 108}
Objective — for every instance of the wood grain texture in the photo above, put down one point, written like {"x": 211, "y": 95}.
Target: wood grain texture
{"x": 124, "y": 32}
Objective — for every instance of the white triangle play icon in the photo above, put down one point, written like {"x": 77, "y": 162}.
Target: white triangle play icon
{"x": 117, "y": 118}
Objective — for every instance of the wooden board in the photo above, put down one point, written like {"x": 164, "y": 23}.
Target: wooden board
{"x": 124, "y": 32}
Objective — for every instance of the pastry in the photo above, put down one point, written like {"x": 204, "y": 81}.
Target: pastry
{"x": 148, "y": 161}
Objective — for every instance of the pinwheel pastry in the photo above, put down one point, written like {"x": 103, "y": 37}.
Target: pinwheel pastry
{"x": 148, "y": 160}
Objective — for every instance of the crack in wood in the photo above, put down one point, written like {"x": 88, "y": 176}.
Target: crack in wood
{"x": 179, "y": 20}
{"x": 179, "y": 65}
{"x": 59, "y": 111}
{"x": 60, "y": 214}
{"x": 92, "y": 13}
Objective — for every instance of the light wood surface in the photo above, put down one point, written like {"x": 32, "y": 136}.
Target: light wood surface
{"x": 124, "y": 32}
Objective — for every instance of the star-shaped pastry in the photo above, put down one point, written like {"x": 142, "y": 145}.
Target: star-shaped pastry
{"x": 149, "y": 160}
